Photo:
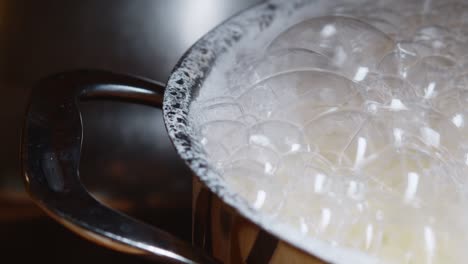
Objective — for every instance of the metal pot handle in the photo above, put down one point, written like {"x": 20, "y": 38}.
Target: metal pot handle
{"x": 50, "y": 150}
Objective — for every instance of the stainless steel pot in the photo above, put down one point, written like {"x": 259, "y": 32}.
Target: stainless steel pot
{"x": 225, "y": 228}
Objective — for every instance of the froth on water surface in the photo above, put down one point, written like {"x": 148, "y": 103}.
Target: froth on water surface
{"x": 351, "y": 127}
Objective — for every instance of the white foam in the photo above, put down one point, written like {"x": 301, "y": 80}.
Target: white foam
{"x": 340, "y": 139}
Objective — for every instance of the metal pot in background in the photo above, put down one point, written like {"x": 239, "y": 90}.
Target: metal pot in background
{"x": 226, "y": 228}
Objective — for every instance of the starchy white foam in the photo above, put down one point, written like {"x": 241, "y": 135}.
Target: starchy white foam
{"x": 347, "y": 124}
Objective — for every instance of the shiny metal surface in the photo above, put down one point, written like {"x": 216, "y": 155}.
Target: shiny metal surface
{"x": 144, "y": 38}
{"x": 50, "y": 159}
{"x": 119, "y": 154}
{"x": 223, "y": 233}
{"x": 51, "y": 149}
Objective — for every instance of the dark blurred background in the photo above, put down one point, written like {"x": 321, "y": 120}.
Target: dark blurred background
{"x": 128, "y": 161}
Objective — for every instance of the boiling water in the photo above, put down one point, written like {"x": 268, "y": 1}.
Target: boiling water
{"x": 352, "y": 128}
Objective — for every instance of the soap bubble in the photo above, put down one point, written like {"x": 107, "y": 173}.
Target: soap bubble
{"x": 221, "y": 138}
{"x": 413, "y": 22}
{"x": 382, "y": 25}
{"x": 304, "y": 102}
{"x": 289, "y": 60}
{"x": 282, "y": 136}
{"x": 412, "y": 175}
{"x": 286, "y": 89}
{"x": 454, "y": 107}
{"x": 367, "y": 142}
{"x": 252, "y": 186}
{"x": 432, "y": 75}
{"x": 223, "y": 111}
{"x": 263, "y": 159}
{"x": 295, "y": 165}
{"x": 398, "y": 62}
{"x": 332, "y": 133}
{"x": 259, "y": 101}
{"x": 390, "y": 91}
{"x": 438, "y": 39}
{"x": 352, "y": 45}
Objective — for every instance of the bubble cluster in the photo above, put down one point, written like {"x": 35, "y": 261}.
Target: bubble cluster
{"x": 352, "y": 128}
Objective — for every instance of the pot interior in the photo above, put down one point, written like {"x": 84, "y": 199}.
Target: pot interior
{"x": 196, "y": 75}
{"x": 233, "y": 62}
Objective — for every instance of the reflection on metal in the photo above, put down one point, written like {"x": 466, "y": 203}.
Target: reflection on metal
{"x": 53, "y": 124}
{"x": 53, "y": 129}
{"x": 222, "y": 232}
